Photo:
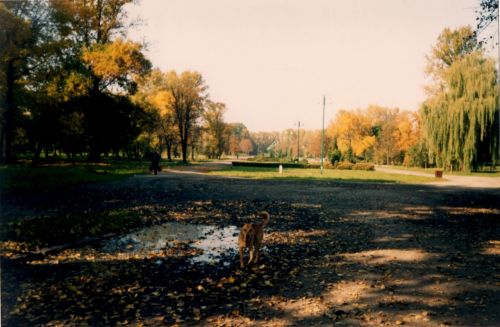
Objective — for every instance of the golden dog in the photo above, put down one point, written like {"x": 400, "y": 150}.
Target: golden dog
{"x": 251, "y": 236}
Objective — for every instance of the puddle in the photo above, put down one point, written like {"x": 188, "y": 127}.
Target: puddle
{"x": 212, "y": 240}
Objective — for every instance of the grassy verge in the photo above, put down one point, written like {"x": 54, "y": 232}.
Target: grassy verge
{"x": 328, "y": 175}
{"x": 25, "y": 179}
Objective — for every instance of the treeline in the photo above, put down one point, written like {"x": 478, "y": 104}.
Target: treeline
{"x": 376, "y": 134}
{"x": 456, "y": 127}
{"x": 72, "y": 83}
{"x": 67, "y": 73}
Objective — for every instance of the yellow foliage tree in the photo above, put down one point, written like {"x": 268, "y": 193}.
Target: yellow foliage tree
{"x": 375, "y": 133}
{"x": 153, "y": 96}
{"x": 115, "y": 62}
{"x": 352, "y": 130}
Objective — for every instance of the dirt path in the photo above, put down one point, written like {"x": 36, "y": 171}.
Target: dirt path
{"x": 450, "y": 180}
{"x": 349, "y": 254}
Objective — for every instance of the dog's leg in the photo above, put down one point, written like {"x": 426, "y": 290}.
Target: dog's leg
{"x": 251, "y": 250}
{"x": 241, "y": 257}
{"x": 256, "y": 255}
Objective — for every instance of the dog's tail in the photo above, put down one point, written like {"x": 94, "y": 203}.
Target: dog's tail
{"x": 265, "y": 216}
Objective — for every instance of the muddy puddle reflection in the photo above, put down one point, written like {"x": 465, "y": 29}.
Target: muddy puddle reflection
{"x": 213, "y": 241}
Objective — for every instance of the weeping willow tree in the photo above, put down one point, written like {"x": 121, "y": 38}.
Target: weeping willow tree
{"x": 459, "y": 121}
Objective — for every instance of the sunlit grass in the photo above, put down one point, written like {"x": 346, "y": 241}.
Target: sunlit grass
{"x": 328, "y": 175}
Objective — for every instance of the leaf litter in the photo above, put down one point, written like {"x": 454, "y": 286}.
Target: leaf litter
{"x": 306, "y": 277}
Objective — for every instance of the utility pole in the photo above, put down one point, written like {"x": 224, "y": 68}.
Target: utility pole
{"x": 323, "y": 136}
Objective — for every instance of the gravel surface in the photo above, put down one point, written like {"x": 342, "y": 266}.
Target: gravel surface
{"x": 449, "y": 179}
{"x": 353, "y": 254}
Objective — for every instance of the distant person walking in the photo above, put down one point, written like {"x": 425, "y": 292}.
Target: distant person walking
{"x": 155, "y": 162}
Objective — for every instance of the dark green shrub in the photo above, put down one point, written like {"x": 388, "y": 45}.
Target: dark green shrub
{"x": 335, "y": 156}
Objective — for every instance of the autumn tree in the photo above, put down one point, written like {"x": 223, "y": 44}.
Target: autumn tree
{"x": 459, "y": 122}
{"x": 264, "y": 141}
{"x": 450, "y": 46}
{"x": 161, "y": 127}
{"x": 286, "y": 143}
{"x": 25, "y": 44}
{"x": 215, "y": 129}
{"x": 353, "y": 132}
{"x": 486, "y": 14}
{"x": 188, "y": 95}
{"x": 313, "y": 143}
{"x": 234, "y": 145}
{"x": 407, "y": 134}
{"x": 246, "y": 146}
{"x": 236, "y": 132}
{"x": 97, "y": 61}
{"x": 115, "y": 64}
{"x": 384, "y": 122}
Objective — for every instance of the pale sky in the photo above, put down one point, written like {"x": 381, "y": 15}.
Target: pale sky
{"x": 271, "y": 61}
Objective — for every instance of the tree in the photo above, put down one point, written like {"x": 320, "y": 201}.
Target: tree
{"x": 450, "y": 46}
{"x": 407, "y": 133}
{"x": 115, "y": 64}
{"x": 215, "y": 128}
{"x": 24, "y": 38}
{"x": 246, "y": 146}
{"x": 234, "y": 145}
{"x": 98, "y": 59}
{"x": 86, "y": 29}
{"x": 236, "y": 132}
{"x": 188, "y": 95}
{"x": 385, "y": 123}
{"x": 486, "y": 14}
{"x": 353, "y": 132}
{"x": 335, "y": 154}
{"x": 311, "y": 141}
{"x": 459, "y": 122}
{"x": 264, "y": 141}
{"x": 153, "y": 96}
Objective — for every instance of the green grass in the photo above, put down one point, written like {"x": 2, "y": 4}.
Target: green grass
{"x": 484, "y": 173}
{"x": 25, "y": 179}
{"x": 328, "y": 175}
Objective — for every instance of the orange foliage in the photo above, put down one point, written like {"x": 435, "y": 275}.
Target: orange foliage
{"x": 352, "y": 129}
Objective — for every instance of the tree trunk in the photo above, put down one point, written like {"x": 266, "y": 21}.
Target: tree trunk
{"x": 8, "y": 116}
{"x": 36, "y": 157}
{"x": 169, "y": 151}
{"x": 94, "y": 155}
{"x": 168, "y": 146}
{"x": 184, "y": 147}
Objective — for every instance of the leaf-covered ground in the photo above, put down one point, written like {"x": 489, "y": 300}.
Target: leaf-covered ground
{"x": 353, "y": 254}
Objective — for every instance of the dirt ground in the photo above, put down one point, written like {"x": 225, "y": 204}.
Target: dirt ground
{"x": 343, "y": 254}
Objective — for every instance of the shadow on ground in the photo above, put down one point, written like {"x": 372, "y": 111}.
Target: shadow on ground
{"x": 354, "y": 254}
